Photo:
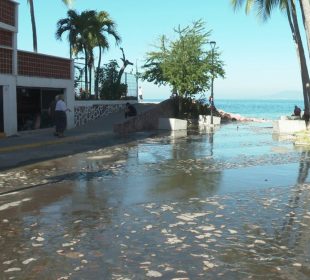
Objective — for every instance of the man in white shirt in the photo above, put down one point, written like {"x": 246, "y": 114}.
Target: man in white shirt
{"x": 140, "y": 93}
{"x": 61, "y": 116}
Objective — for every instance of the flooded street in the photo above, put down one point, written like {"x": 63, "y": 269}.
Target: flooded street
{"x": 232, "y": 204}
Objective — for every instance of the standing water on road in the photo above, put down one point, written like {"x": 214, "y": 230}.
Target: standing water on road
{"x": 226, "y": 204}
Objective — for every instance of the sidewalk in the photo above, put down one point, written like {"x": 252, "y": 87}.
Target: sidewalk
{"x": 36, "y": 145}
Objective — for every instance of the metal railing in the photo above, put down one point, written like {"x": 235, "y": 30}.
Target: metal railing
{"x": 130, "y": 79}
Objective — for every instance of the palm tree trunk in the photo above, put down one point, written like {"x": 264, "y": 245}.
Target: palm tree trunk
{"x": 86, "y": 72}
{"x": 305, "y": 11}
{"x": 33, "y": 24}
{"x": 292, "y": 17}
{"x": 90, "y": 77}
{"x": 97, "y": 74}
{"x": 120, "y": 74}
{"x": 70, "y": 45}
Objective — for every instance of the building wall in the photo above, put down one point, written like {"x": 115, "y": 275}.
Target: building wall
{"x": 7, "y": 12}
{"x": 8, "y": 43}
{"x": 6, "y": 61}
{"x": 40, "y": 65}
{"x": 9, "y": 104}
{"x": 27, "y": 69}
{"x": 6, "y": 38}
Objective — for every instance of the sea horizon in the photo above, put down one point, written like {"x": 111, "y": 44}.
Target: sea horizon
{"x": 267, "y": 109}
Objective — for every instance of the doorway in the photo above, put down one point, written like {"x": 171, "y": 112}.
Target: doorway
{"x": 33, "y": 107}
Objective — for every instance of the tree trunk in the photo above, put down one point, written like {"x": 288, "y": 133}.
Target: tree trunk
{"x": 120, "y": 74}
{"x": 301, "y": 55}
{"x": 70, "y": 45}
{"x": 97, "y": 74}
{"x": 180, "y": 107}
{"x": 86, "y": 72}
{"x": 90, "y": 77}
{"x": 305, "y": 11}
{"x": 34, "y": 28}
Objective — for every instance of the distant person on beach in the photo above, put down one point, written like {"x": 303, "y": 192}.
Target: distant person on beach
{"x": 297, "y": 111}
{"x": 130, "y": 110}
{"x": 140, "y": 93}
{"x": 211, "y": 101}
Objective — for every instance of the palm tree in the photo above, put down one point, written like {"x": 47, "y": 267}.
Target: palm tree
{"x": 104, "y": 25}
{"x": 33, "y": 22}
{"x": 34, "y": 28}
{"x": 264, "y": 9}
{"x": 80, "y": 28}
{"x": 86, "y": 31}
{"x": 69, "y": 24}
{"x": 305, "y": 11}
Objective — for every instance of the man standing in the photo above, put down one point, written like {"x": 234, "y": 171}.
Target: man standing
{"x": 140, "y": 93}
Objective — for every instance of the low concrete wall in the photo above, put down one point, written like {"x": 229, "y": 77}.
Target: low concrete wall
{"x": 147, "y": 120}
{"x": 85, "y": 111}
{"x": 172, "y": 124}
{"x": 289, "y": 126}
{"x": 206, "y": 120}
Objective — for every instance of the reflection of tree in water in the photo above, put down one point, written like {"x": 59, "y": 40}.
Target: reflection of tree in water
{"x": 186, "y": 179}
{"x": 293, "y": 233}
{"x": 303, "y": 167}
{"x": 264, "y": 243}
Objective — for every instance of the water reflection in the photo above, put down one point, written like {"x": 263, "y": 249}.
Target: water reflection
{"x": 166, "y": 205}
{"x": 303, "y": 167}
{"x": 297, "y": 216}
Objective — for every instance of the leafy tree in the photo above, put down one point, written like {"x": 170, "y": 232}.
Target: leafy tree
{"x": 110, "y": 87}
{"x": 264, "y": 9}
{"x": 185, "y": 63}
{"x": 153, "y": 71}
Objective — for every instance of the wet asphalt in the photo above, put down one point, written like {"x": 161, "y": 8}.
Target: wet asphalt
{"x": 37, "y": 145}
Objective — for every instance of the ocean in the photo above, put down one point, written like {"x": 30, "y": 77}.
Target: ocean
{"x": 263, "y": 109}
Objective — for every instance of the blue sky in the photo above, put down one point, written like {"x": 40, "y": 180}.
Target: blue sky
{"x": 260, "y": 58}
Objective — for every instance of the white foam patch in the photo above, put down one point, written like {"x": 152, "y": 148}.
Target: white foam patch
{"x": 13, "y": 204}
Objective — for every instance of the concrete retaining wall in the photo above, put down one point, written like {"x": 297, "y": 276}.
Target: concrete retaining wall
{"x": 206, "y": 120}
{"x": 172, "y": 124}
{"x": 147, "y": 120}
{"x": 288, "y": 126}
{"x": 85, "y": 111}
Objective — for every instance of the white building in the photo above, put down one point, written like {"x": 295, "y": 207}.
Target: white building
{"x": 29, "y": 81}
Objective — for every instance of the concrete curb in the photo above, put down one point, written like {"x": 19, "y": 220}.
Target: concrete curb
{"x": 51, "y": 142}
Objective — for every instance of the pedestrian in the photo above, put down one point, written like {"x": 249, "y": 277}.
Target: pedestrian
{"x": 140, "y": 93}
{"x": 130, "y": 110}
{"x": 211, "y": 101}
{"x": 60, "y": 116}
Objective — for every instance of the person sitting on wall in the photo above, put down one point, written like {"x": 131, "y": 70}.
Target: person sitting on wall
{"x": 130, "y": 110}
{"x": 297, "y": 111}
